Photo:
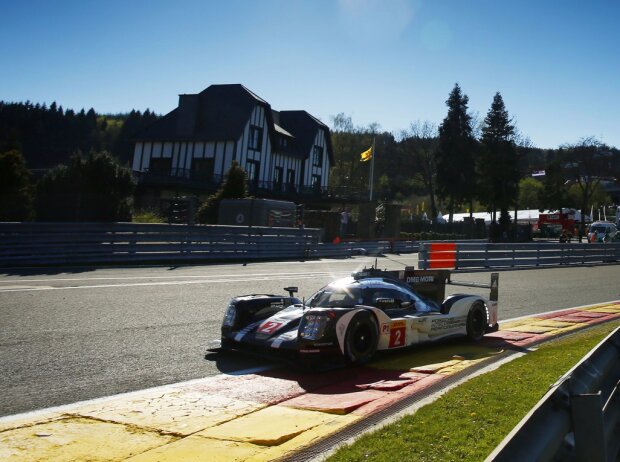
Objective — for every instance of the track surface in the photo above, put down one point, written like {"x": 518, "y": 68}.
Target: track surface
{"x": 68, "y": 335}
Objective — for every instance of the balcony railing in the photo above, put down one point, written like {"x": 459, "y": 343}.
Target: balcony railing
{"x": 186, "y": 178}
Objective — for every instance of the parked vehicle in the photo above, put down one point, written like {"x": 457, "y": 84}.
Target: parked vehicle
{"x": 602, "y": 231}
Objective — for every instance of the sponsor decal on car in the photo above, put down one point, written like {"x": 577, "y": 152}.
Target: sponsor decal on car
{"x": 447, "y": 323}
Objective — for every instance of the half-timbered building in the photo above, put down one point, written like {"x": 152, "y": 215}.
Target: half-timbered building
{"x": 192, "y": 148}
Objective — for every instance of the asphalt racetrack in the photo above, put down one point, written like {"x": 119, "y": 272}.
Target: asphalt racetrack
{"x": 68, "y": 335}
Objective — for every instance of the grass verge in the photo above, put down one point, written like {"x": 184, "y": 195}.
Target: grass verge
{"x": 468, "y": 422}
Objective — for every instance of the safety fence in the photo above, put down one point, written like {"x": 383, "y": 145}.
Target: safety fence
{"x": 84, "y": 243}
{"x": 579, "y": 417}
{"x": 23, "y": 244}
{"x": 462, "y": 255}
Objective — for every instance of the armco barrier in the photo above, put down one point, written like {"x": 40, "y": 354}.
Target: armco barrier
{"x": 83, "y": 243}
{"x": 462, "y": 255}
{"x": 578, "y": 419}
{"x": 23, "y": 244}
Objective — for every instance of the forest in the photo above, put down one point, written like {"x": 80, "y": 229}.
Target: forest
{"x": 464, "y": 164}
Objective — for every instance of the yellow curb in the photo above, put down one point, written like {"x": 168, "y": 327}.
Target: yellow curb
{"x": 519, "y": 322}
{"x": 72, "y": 439}
{"x": 307, "y": 438}
{"x": 458, "y": 367}
{"x": 435, "y": 353}
{"x": 433, "y": 368}
{"x": 178, "y": 412}
{"x": 553, "y": 323}
{"x": 604, "y": 309}
{"x": 271, "y": 426}
{"x": 568, "y": 329}
{"x": 11, "y": 423}
{"x": 199, "y": 449}
{"x": 532, "y": 329}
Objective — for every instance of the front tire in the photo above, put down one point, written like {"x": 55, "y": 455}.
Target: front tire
{"x": 361, "y": 338}
{"x": 476, "y": 321}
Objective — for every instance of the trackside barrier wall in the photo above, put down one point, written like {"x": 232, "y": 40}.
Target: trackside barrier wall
{"x": 578, "y": 419}
{"x": 462, "y": 255}
{"x": 24, "y": 244}
{"x": 82, "y": 243}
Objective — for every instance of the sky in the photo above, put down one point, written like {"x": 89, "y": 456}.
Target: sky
{"x": 391, "y": 62}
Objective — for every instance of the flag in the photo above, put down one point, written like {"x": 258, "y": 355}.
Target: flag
{"x": 366, "y": 155}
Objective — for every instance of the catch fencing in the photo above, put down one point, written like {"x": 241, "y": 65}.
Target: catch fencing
{"x": 578, "y": 419}
{"x": 472, "y": 256}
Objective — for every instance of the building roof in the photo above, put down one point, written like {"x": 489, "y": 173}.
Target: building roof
{"x": 305, "y": 127}
{"x": 221, "y": 112}
{"x": 218, "y": 113}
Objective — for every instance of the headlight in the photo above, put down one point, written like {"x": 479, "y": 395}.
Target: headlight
{"x": 229, "y": 317}
{"x": 314, "y": 326}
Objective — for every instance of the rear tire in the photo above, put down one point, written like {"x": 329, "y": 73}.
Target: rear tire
{"x": 476, "y": 321}
{"x": 361, "y": 338}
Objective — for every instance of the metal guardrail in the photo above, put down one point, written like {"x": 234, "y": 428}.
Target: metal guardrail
{"x": 578, "y": 419}
{"x": 23, "y": 244}
{"x": 83, "y": 243}
{"x": 462, "y": 255}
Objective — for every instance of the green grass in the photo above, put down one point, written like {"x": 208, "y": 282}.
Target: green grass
{"x": 147, "y": 216}
{"x": 468, "y": 422}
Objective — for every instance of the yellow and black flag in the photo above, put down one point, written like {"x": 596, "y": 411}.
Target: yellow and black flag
{"x": 366, "y": 155}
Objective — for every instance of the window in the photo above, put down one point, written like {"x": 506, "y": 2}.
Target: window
{"x": 317, "y": 156}
{"x": 290, "y": 180}
{"x": 316, "y": 181}
{"x": 283, "y": 143}
{"x": 253, "y": 171}
{"x": 161, "y": 166}
{"x": 278, "y": 178}
{"x": 203, "y": 168}
{"x": 256, "y": 138}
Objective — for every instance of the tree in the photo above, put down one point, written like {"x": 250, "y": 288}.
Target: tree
{"x": 554, "y": 196}
{"x": 498, "y": 164}
{"x": 16, "y": 192}
{"x": 92, "y": 188}
{"x": 587, "y": 163}
{"x": 456, "y": 172}
{"x": 234, "y": 187}
{"x": 530, "y": 193}
{"x": 420, "y": 146}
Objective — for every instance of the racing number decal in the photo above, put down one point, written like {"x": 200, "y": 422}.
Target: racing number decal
{"x": 269, "y": 327}
{"x": 397, "y": 334}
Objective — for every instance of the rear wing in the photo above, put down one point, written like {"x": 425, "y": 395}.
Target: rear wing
{"x": 432, "y": 283}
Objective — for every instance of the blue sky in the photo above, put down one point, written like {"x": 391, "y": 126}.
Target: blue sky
{"x": 393, "y": 62}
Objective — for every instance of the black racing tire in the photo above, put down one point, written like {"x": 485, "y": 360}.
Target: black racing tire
{"x": 361, "y": 339}
{"x": 477, "y": 321}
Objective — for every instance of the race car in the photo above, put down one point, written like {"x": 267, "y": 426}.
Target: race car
{"x": 353, "y": 317}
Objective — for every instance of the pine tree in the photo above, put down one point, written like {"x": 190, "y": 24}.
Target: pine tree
{"x": 498, "y": 165}
{"x": 16, "y": 192}
{"x": 456, "y": 173}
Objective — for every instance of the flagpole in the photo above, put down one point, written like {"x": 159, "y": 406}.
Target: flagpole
{"x": 372, "y": 166}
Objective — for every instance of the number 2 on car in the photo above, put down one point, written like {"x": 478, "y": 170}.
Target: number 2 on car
{"x": 397, "y": 334}
{"x": 269, "y": 327}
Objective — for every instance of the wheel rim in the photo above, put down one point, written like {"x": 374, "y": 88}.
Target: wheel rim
{"x": 477, "y": 319}
{"x": 362, "y": 339}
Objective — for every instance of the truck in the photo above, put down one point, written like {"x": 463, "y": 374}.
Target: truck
{"x": 560, "y": 223}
